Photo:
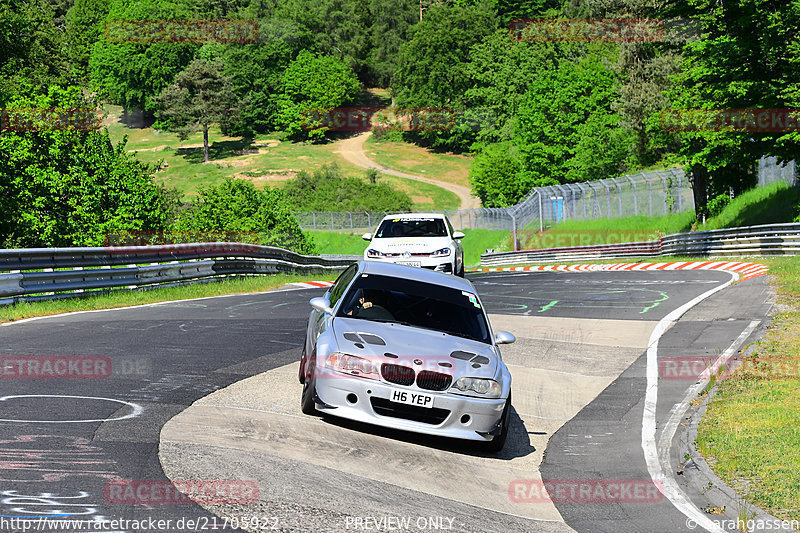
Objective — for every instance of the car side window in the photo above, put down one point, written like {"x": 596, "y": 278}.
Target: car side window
{"x": 341, "y": 283}
{"x": 450, "y": 227}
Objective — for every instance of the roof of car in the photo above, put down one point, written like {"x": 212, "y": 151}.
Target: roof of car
{"x": 415, "y": 273}
{"x": 414, "y": 215}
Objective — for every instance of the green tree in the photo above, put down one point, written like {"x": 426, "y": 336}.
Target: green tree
{"x": 73, "y": 187}
{"x": 312, "y": 83}
{"x": 747, "y": 57}
{"x": 132, "y": 74}
{"x": 237, "y": 206}
{"x": 498, "y": 178}
{"x": 31, "y": 49}
{"x": 391, "y": 21}
{"x": 201, "y": 95}
{"x": 84, "y": 25}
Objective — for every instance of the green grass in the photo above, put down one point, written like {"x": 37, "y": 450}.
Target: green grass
{"x": 475, "y": 243}
{"x": 265, "y": 160}
{"x": 413, "y": 159}
{"x": 772, "y": 204}
{"x": 122, "y": 298}
{"x": 751, "y": 430}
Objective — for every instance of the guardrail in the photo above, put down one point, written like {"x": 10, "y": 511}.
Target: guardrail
{"x": 29, "y": 274}
{"x": 770, "y": 239}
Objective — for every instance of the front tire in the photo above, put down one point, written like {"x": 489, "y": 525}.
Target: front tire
{"x": 499, "y": 441}
{"x": 307, "y": 404}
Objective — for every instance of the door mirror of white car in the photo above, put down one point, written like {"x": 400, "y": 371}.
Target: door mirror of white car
{"x": 458, "y": 235}
{"x": 504, "y": 337}
{"x": 321, "y": 304}
{"x": 367, "y": 236}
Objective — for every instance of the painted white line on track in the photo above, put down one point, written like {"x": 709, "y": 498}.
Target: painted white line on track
{"x": 136, "y": 409}
{"x": 667, "y": 483}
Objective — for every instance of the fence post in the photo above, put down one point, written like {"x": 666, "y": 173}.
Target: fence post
{"x": 619, "y": 195}
{"x": 649, "y": 192}
{"x": 514, "y": 226}
{"x": 369, "y": 221}
{"x": 351, "y": 222}
{"x": 680, "y": 190}
{"x": 635, "y": 201}
{"x": 608, "y": 198}
{"x": 314, "y": 220}
{"x": 666, "y": 192}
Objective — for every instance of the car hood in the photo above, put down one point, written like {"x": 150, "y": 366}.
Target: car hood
{"x": 411, "y": 244}
{"x": 372, "y": 340}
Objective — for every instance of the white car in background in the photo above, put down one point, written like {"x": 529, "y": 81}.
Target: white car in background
{"x": 425, "y": 240}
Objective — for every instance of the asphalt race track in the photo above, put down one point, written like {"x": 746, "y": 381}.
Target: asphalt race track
{"x": 207, "y": 390}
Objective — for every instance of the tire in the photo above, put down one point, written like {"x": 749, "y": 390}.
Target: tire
{"x": 301, "y": 375}
{"x": 460, "y": 271}
{"x": 499, "y": 441}
{"x": 307, "y": 404}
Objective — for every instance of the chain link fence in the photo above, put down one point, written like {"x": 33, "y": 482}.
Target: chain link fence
{"x": 655, "y": 193}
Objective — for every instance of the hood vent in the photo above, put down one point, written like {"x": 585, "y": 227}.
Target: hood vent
{"x": 464, "y": 356}
{"x": 367, "y": 338}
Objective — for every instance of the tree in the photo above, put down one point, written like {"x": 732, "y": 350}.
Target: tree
{"x": 565, "y": 128}
{"x": 84, "y": 23}
{"x": 132, "y": 74}
{"x": 201, "y": 95}
{"x": 312, "y": 83}
{"x": 498, "y": 178}
{"x": 237, "y": 206}
{"x": 71, "y": 186}
{"x": 746, "y": 57}
{"x": 391, "y": 21}
{"x": 31, "y": 56}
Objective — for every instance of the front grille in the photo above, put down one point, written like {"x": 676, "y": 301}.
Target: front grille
{"x": 397, "y": 374}
{"x": 430, "y": 380}
{"x": 426, "y": 415}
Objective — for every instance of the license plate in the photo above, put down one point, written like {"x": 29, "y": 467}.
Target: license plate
{"x": 410, "y": 263}
{"x": 412, "y": 398}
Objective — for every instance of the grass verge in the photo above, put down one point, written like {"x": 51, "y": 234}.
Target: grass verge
{"x": 123, "y": 298}
{"x": 750, "y": 433}
{"x": 413, "y": 159}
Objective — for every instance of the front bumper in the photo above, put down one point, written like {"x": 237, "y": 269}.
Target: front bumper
{"x": 461, "y": 417}
{"x": 438, "y": 264}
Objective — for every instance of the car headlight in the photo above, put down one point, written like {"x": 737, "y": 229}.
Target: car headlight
{"x": 374, "y": 253}
{"x": 486, "y": 387}
{"x": 350, "y": 364}
{"x": 443, "y": 251}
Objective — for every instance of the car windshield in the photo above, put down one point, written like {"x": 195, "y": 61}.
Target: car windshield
{"x": 418, "y": 227}
{"x": 417, "y": 304}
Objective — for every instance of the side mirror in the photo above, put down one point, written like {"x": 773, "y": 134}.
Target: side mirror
{"x": 504, "y": 337}
{"x": 458, "y": 235}
{"x": 321, "y": 304}
{"x": 367, "y": 236}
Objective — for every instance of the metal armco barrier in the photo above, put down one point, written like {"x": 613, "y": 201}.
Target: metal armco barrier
{"x": 35, "y": 273}
{"x": 770, "y": 239}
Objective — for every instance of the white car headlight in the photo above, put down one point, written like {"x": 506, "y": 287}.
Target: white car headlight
{"x": 374, "y": 253}
{"x": 443, "y": 251}
{"x": 486, "y": 387}
{"x": 350, "y": 364}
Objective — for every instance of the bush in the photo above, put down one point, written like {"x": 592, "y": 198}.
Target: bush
{"x": 237, "y": 206}
{"x": 327, "y": 189}
{"x": 718, "y": 204}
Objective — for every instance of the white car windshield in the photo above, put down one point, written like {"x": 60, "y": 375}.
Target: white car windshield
{"x": 417, "y": 304}
{"x": 419, "y": 227}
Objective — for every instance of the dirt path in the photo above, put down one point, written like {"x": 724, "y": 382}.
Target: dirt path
{"x": 352, "y": 150}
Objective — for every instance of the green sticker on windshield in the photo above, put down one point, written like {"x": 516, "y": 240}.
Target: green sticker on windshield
{"x": 472, "y": 298}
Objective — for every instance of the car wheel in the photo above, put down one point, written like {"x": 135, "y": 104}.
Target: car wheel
{"x": 460, "y": 272}
{"x": 499, "y": 441}
{"x": 307, "y": 404}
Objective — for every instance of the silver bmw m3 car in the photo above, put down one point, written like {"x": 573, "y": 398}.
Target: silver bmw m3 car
{"x": 408, "y": 349}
